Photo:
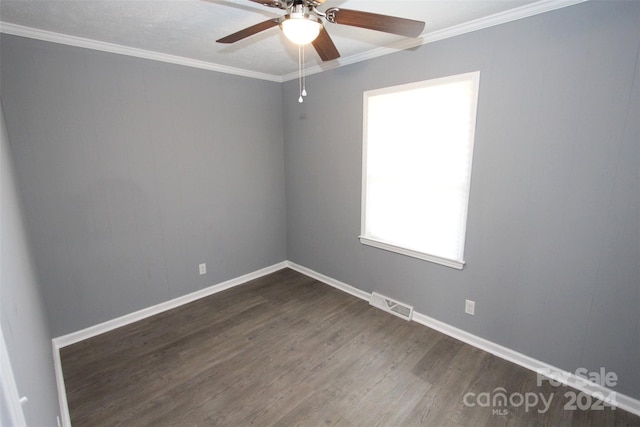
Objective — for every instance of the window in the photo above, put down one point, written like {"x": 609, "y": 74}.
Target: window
{"x": 417, "y": 152}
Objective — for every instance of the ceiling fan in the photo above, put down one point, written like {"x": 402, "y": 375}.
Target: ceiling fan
{"x": 303, "y": 24}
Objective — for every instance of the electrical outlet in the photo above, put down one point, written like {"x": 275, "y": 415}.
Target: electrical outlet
{"x": 203, "y": 268}
{"x": 469, "y": 307}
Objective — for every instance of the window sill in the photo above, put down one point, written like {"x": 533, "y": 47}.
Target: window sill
{"x": 458, "y": 265}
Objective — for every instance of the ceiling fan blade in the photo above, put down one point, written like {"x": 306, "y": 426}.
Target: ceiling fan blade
{"x": 270, "y": 3}
{"x": 374, "y": 21}
{"x": 325, "y": 47}
{"x": 249, "y": 31}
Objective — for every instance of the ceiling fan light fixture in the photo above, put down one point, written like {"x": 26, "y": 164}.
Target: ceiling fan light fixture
{"x": 301, "y": 28}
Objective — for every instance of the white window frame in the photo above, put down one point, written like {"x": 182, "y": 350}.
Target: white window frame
{"x": 474, "y": 78}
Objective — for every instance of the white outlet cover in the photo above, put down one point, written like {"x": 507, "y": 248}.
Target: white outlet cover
{"x": 203, "y": 268}
{"x": 469, "y": 307}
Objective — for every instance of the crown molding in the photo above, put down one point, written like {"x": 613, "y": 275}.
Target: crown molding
{"x": 522, "y": 12}
{"x": 50, "y": 36}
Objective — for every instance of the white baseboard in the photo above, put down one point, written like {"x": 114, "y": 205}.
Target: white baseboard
{"x": 571, "y": 379}
{"x": 329, "y": 281}
{"x": 92, "y": 331}
{"x": 621, "y": 401}
{"x": 65, "y": 419}
{"x": 118, "y": 322}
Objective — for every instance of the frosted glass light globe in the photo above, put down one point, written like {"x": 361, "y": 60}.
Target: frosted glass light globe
{"x": 300, "y": 28}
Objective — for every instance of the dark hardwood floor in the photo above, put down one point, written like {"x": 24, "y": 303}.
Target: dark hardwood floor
{"x": 287, "y": 350}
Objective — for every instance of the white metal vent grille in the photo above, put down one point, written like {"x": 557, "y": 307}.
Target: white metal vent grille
{"x": 391, "y": 306}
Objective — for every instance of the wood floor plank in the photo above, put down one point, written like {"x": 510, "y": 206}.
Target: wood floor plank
{"x": 287, "y": 350}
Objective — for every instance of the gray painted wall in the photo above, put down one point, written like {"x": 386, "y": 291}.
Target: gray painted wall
{"x": 22, "y": 316}
{"x": 133, "y": 172}
{"x": 553, "y": 240}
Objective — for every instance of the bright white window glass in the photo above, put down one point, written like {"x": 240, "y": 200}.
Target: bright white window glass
{"x": 417, "y": 153}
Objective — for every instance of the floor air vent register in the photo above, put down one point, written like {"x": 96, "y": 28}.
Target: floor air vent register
{"x": 391, "y": 306}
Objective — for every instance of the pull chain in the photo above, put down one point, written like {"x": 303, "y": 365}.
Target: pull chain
{"x": 304, "y": 79}
{"x": 300, "y": 72}
{"x": 301, "y": 78}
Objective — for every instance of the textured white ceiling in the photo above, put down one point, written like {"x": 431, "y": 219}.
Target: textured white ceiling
{"x": 189, "y": 28}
